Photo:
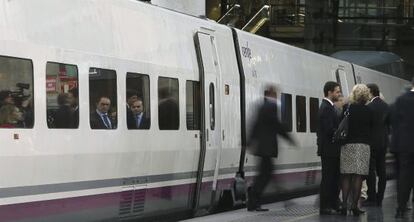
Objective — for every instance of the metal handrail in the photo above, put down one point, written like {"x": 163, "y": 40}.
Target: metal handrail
{"x": 234, "y": 7}
{"x": 258, "y": 25}
{"x": 265, "y": 7}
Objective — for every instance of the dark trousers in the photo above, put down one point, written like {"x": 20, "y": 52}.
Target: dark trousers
{"x": 260, "y": 182}
{"x": 377, "y": 168}
{"x": 329, "y": 190}
{"x": 405, "y": 179}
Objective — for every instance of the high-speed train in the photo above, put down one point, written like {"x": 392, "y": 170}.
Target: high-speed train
{"x": 180, "y": 166}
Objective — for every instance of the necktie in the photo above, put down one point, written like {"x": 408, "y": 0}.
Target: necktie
{"x": 138, "y": 120}
{"x": 106, "y": 121}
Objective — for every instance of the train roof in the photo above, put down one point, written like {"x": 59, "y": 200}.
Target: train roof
{"x": 368, "y": 58}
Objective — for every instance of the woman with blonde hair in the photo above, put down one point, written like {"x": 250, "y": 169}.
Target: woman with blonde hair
{"x": 10, "y": 116}
{"x": 355, "y": 154}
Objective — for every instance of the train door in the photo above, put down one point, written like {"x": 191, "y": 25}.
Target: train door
{"x": 210, "y": 120}
{"x": 341, "y": 79}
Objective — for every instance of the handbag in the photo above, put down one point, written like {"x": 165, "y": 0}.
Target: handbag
{"x": 341, "y": 133}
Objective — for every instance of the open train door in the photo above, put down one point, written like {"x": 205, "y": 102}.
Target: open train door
{"x": 344, "y": 77}
{"x": 210, "y": 152}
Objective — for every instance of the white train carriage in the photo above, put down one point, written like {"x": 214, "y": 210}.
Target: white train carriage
{"x": 107, "y": 48}
{"x": 300, "y": 75}
{"x": 185, "y": 164}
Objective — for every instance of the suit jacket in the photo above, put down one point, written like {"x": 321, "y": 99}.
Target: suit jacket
{"x": 168, "y": 114}
{"x": 145, "y": 123}
{"x": 403, "y": 123}
{"x": 360, "y": 124}
{"x": 75, "y": 118}
{"x": 328, "y": 122}
{"x": 381, "y": 123}
{"x": 130, "y": 119}
{"x": 64, "y": 118}
{"x": 265, "y": 129}
{"x": 131, "y": 122}
{"x": 97, "y": 122}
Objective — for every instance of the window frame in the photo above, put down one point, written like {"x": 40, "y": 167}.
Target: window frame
{"x": 178, "y": 102}
{"x": 143, "y": 99}
{"x": 77, "y": 75}
{"x": 286, "y": 113}
{"x": 32, "y": 95}
{"x": 104, "y": 95}
{"x": 313, "y": 114}
{"x": 212, "y": 102}
{"x": 301, "y": 124}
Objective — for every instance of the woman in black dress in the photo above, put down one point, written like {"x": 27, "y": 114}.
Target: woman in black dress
{"x": 355, "y": 154}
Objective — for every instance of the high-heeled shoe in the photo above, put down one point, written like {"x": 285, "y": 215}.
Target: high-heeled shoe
{"x": 357, "y": 211}
{"x": 400, "y": 213}
{"x": 344, "y": 211}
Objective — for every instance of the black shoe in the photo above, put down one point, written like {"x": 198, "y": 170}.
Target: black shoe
{"x": 326, "y": 211}
{"x": 251, "y": 201}
{"x": 400, "y": 213}
{"x": 357, "y": 211}
{"x": 379, "y": 203}
{"x": 259, "y": 209}
{"x": 344, "y": 211}
{"x": 369, "y": 203}
{"x": 338, "y": 209}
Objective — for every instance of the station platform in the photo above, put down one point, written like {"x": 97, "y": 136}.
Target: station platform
{"x": 307, "y": 209}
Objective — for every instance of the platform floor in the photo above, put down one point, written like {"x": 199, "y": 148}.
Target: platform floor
{"x": 306, "y": 209}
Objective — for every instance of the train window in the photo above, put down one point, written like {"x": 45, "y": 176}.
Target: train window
{"x": 286, "y": 111}
{"x": 212, "y": 107}
{"x": 300, "y": 114}
{"x": 168, "y": 104}
{"x": 313, "y": 113}
{"x": 338, "y": 78}
{"x": 102, "y": 98}
{"x": 62, "y": 95}
{"x": 138, "y": 101}
{"x": 16, "y": 90}
{"x": 193, "y": 105}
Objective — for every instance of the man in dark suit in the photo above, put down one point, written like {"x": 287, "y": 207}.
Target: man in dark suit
{"x": 379, "y": 143}
{"x": 75, "y": 106}
{"x": 137, "y": 118}
{"x": 328, "y": 122}
{"x": 402, "y": 142}
{"x": 263, "y": 140}
{"x": 131, "y": 97}
{"x": 99, "y": 119}
{"x": 168, "y": 110}
{"x": 63, "y": 118}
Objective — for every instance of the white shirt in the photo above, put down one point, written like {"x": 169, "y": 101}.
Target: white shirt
{"x": 329, "y": 101}
{"x": 104, "y": 115}
{"x": 373, "y": 99}
{"x": 138, "y": 119}
{"x": 412, "y": 90}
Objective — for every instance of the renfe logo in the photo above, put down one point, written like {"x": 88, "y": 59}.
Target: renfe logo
{"x": 246, "y": 51}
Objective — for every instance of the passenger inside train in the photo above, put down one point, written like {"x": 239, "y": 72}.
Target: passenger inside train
{"x": 10, "y": 116}
{"x": 102, "y": 118}
{"x": 137, "y": 118}
{"x": 16, "y": 90}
